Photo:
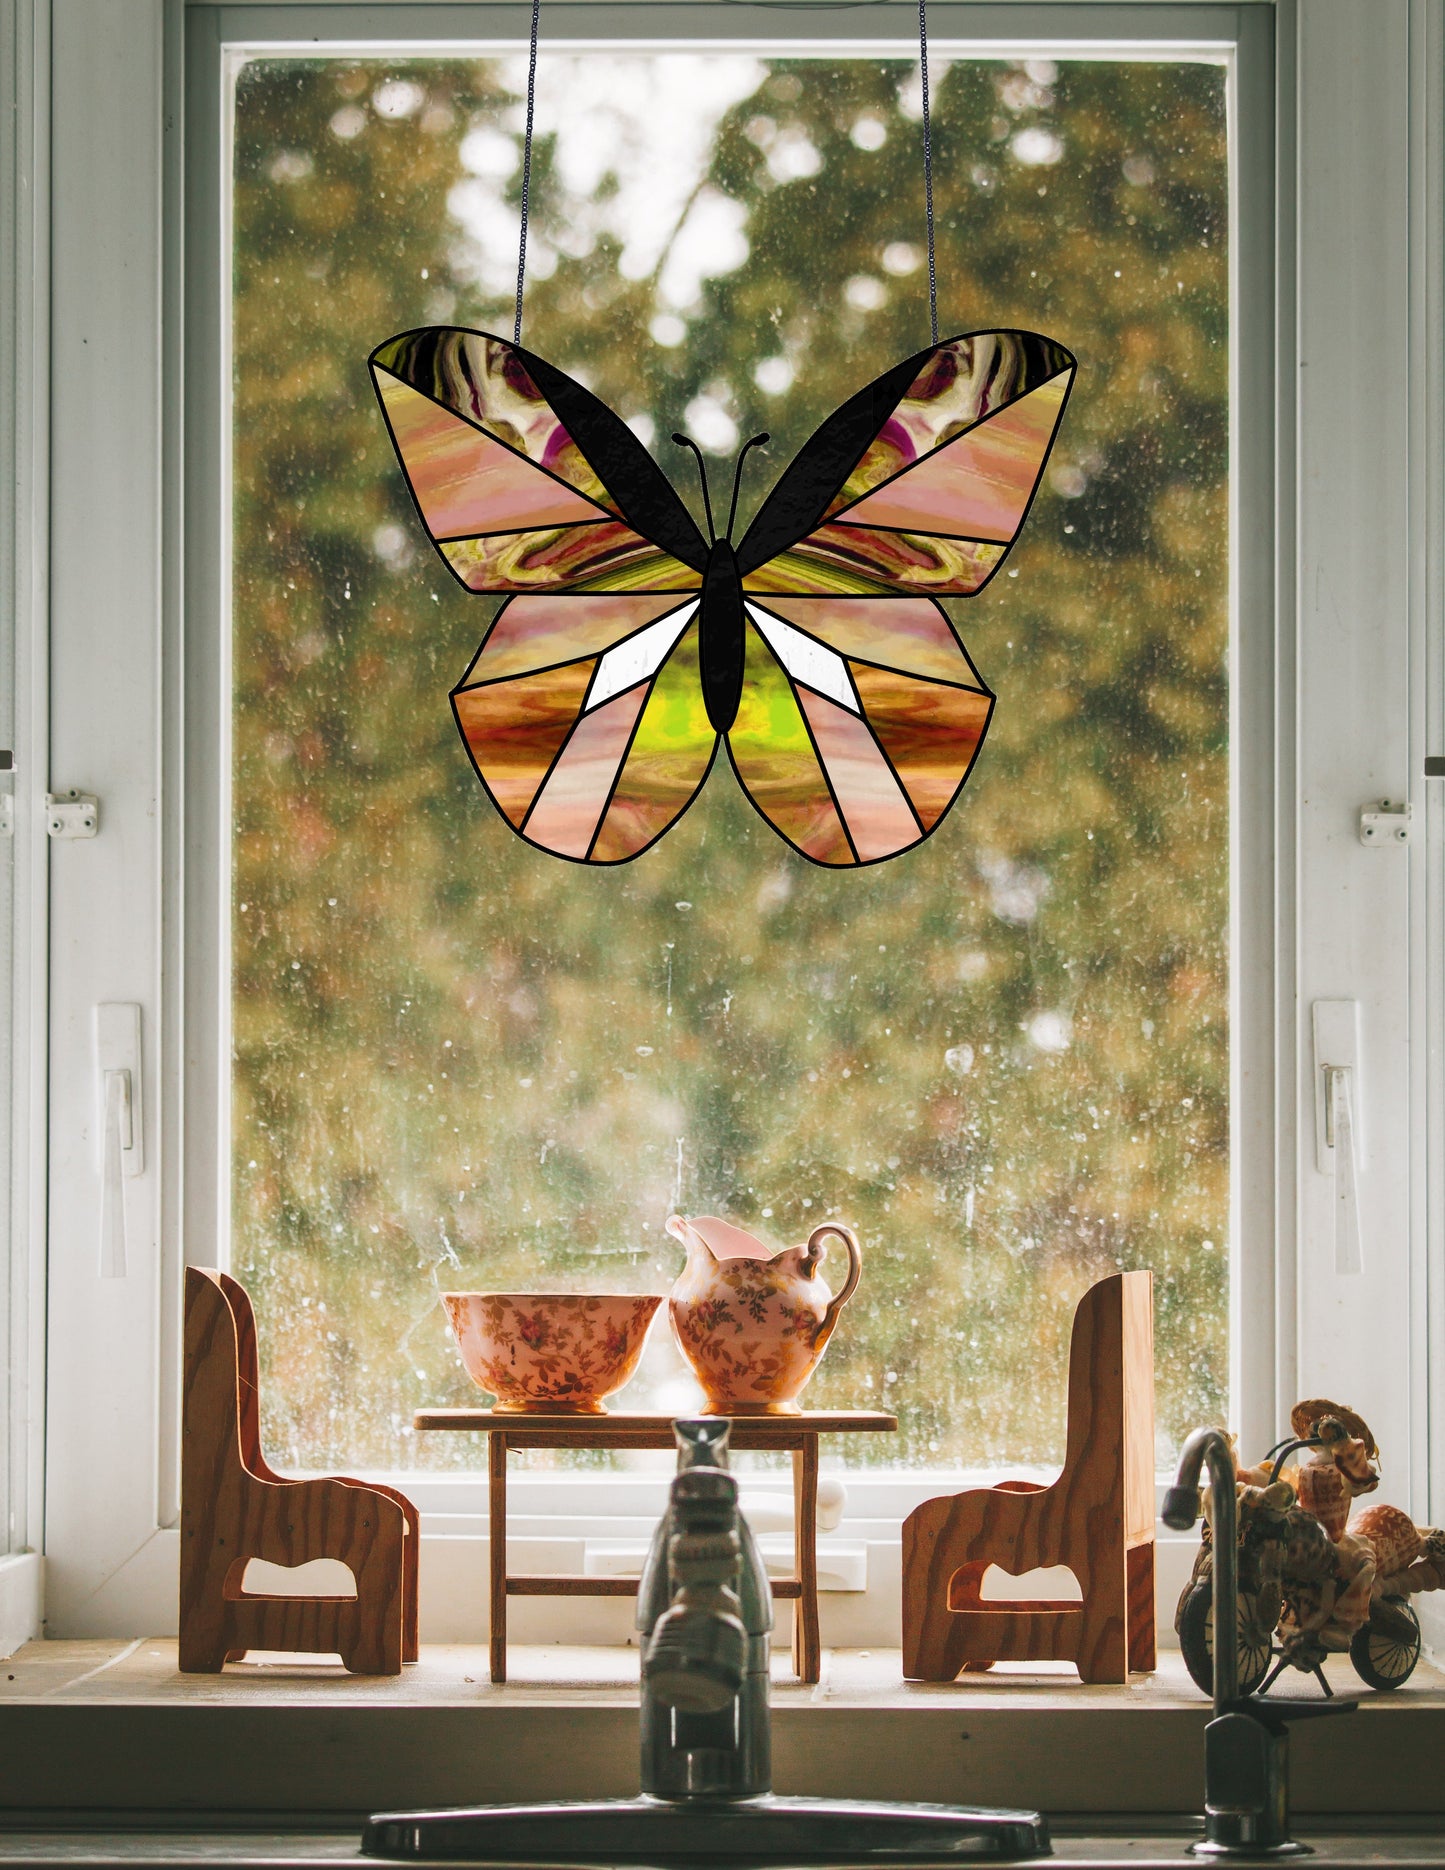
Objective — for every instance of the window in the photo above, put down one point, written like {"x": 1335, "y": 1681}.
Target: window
{"x": 1004, "y": 1057}
{"x": 1319, "y": 721}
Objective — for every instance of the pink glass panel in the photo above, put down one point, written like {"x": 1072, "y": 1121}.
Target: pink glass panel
{"x": 482, "y": 378}
{"x": 464, "y": 481}
{"x": 874, "y": 808}
{"x": 540, "y": 632}
{"x": 977, "y": 487}
{"x": 568, "y": 807}
{"x": 961, "y": 382}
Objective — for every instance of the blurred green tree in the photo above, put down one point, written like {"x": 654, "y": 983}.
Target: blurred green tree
{"x": 1005, "y": 1059}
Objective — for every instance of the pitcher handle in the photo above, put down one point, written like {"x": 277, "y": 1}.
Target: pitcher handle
{"x": 855, "y": 1267}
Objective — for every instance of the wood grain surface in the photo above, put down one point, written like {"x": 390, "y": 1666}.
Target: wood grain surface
{"x": 235, "y": 1508}
{"x": 1097, "y": 1518}
{"x": 525, "y": 1428}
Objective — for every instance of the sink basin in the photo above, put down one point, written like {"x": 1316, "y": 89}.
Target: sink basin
{"x": 656, "y": 1831}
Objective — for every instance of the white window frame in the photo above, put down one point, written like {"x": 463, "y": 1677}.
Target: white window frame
{"x": 1337, "y": 684}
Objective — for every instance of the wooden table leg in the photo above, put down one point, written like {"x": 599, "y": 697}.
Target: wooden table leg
{"x": 807, "y": 1644}
{"x": 497, "y": 1504}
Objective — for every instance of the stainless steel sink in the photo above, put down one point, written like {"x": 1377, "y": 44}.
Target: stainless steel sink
{"x": 760, "y": 1830}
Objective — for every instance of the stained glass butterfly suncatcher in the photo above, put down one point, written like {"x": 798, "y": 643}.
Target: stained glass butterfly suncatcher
{"x": 630, "y": 647}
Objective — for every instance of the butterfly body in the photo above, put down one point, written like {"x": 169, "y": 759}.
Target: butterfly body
{"x": 720, "y": 631}
{"x": 630, "y": 648}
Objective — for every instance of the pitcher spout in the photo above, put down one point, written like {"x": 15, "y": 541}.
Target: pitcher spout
{"x": 718, "y": 1240}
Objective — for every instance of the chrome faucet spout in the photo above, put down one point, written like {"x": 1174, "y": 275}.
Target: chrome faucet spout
{"x": 705, "y": 1610}
{"x": 697, "y": 1656}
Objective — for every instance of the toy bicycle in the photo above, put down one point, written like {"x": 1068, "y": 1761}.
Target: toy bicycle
{"x": 1312, "y": 1580}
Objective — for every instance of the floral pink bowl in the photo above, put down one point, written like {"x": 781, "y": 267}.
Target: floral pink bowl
{"x": 550, "y": 1353}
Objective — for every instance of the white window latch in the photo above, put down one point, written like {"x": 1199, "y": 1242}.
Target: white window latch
{"x": 7, "y": 797}
{"x": 122, "y": 1135}
{"x": 1385, "y": 823}
{"x": 1338, "y": 1140}
{"x": 72, "y": 814}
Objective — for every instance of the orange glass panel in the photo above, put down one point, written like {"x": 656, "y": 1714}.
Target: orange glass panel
{"x": 930, "y": 732}
{"x": 513, "y": 730}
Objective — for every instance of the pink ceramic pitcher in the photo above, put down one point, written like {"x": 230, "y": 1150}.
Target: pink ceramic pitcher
{"x": 753, "y": 1323}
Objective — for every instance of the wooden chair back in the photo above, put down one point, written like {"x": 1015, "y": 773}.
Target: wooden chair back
{"x": 1097, "y": 1518}
{"x": 235, "y": 1508}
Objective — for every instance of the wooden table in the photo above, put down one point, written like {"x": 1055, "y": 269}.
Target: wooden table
{"x": 794, "y": 1434}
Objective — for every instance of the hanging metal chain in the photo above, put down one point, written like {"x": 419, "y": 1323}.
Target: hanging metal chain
{"x": 927, "y": 167}
{"x": 527, "y": 170}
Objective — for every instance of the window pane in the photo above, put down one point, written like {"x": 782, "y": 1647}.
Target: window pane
{"x": 1003, "y": 1057}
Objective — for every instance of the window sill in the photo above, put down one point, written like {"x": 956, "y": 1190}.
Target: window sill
{"x": 112, "y": 1727}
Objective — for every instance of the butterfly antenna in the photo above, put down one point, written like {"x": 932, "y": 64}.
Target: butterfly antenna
{"x": 686, "y": 441}
{"x": 756, "y": 441}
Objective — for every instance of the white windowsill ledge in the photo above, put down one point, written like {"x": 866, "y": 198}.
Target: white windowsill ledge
{"x": 112, "y": 1727}
{"x": 22, "y": 1599}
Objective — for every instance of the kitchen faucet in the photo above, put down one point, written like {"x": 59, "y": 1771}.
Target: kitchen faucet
{"x": 705, "y": 1609}
{"x": 1246, "y": 1745}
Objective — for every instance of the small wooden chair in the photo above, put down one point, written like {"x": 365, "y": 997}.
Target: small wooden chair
{"x": 234, "y": 1508}
{"x": 1097, "y": 1518}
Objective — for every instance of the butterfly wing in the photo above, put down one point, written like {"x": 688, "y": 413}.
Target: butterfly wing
{"x": 582, "y": 710}
{"x": 858, "y": 724}
{"x": 862, "y": 715}
{"x": 921, "y": 482}
{"x": 524, "y": 480}
{"x": 585, "y": 722}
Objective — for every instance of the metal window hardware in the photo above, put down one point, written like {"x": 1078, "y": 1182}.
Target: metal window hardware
{"x": 1339, "y": 1130}
{"x": 120, "y": 1110}
{"x": 72, "y": 814}
{"x": 1435, "y": 765}
{"x": 7, "y": 799}
{"x": 1385, "y": 823}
